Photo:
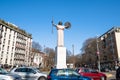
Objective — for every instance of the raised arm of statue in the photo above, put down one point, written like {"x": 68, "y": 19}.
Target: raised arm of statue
{"x": 54, "y": 25}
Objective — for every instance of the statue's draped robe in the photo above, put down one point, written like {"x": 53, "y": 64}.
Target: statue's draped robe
{"x": 60, "y": 29}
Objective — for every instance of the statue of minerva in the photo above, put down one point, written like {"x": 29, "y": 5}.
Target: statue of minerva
{"x": 60, "y": 28}
{"x": 60, "y": 49}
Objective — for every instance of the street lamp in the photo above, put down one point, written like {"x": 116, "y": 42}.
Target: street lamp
{"x": 98, "y": 53}
{"x": 73, "y": 56}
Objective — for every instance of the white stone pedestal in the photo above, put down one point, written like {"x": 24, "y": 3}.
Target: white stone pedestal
{"x": 61, "y": 57}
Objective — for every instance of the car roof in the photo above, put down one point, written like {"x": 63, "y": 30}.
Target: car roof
{"x": 25, "y": 67}
{"x": 63, "y": 69}
{"x": 22, "y": 67}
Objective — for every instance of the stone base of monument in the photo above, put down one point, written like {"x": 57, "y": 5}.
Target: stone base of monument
{"x": 61, "y": 57}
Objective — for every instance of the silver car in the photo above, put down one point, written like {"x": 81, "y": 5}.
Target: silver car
{"x": 29, "y": 73}
{"x": 4, "y": 75}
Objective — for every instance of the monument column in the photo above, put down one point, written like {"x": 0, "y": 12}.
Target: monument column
{"x": 60, "y": 49}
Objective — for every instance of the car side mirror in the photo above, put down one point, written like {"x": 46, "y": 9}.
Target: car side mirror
{"x": 34, "y": 72}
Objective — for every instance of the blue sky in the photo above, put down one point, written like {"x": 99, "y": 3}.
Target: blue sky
{"x": 89, "y": 18}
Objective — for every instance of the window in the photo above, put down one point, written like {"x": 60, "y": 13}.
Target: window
{"x": 3, "y": 47}
{"x": 9, "y": 42}
{"x": 4, "y": 41}
{"x": 8, "y": 48}
{"x": 6, "y": 61}
{"x": 21, "y": 70}
{"x": 30, "y": 70}
{"x": 9, "y": 36}
{"x": 10, "y": 30}
{"x": 54, "y": 72}
{"x": 72, "y": 73}
{"x": 5, "y": 35}
{"x": 61, "y": 73}
{"x": 6, "y": 29}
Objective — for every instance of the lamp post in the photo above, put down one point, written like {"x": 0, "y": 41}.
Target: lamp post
{"x": 98, "y": 53}
{"x": 73, "y": 56}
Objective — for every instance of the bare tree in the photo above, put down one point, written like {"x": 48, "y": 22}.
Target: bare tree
{"x": 78, "y": 59}
{"x": 36, "y": 46}
{"x": 68, "y": 54}
{"x": 90, "y": 51}
{"x": 51, "y": 56}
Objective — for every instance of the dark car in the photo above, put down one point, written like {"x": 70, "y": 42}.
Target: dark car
{"x": 94, "y": 74}
{"x": 105, "y": 69}
{"x": 65, "y": 74}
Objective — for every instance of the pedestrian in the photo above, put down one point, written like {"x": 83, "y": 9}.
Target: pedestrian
{"x": 118, "y": 72}
{"x": 51, "y": 67}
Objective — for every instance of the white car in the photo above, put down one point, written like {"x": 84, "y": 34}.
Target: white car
{"x": 29, "y": 73}
{"x": 7, "y": 77}
{"x": 4, "y": 75}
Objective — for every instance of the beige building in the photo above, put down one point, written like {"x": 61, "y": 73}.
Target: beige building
{"x": 15, "y": 46}
{"x": 38, "y": 58}
{"x": 109, "y": 46}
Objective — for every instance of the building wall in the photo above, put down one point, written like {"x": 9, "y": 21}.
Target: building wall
{"x": 37, "y": 58}
{"x": 117, "y": 36}
{"x": 28, "y": 51}
{"x": 110, "y": 47}
{"x": 7, "y": 46}
{"x": 16, "y": 45}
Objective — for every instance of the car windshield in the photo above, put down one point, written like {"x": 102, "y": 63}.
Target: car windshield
{"x": 89, "y": 70}
{"x": 65, "y": 72}
{"x": 86, "y": 70}
{"x": 35, "y": 69}
{"x": 2, "y": 71}
{"x": 73, "y": 73}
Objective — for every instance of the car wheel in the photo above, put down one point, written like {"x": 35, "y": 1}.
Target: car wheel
{"x": 42, "y": 78}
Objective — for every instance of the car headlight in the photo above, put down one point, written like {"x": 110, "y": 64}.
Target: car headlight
{"x": 102, "y": 78}
{"x": 8, "y": 78}
{"x": 92, "y": 79}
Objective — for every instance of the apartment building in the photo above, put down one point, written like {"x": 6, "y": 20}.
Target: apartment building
{"x": 15, "y": 45}
{"x": 109, "y": 45}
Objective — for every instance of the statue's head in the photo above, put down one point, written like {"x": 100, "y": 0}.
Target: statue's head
{"x": 60, "y": 23}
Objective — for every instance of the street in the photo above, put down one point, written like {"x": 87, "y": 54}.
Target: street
{"x": 110, "y": 75}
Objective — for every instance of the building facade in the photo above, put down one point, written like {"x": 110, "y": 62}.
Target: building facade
{"x": 109, "y": 45}
{"x": 38, "y": 58}
{"x": 15, "y": 46}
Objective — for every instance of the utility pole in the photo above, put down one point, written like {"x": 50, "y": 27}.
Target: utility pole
{"x": 73, "y": 49}
{"x": 98, "y": 53}
{"x": 73, "y": 56}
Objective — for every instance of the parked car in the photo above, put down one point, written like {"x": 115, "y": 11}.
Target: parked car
{"x": 4, "y": 75}
{"x": 105, "y": 69}
{"x": 29, "y": 73}
{"x": 94, "y": 74}
{"x": 65, "y": 74}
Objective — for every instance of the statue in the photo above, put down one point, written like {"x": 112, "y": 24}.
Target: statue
{"x": 60, "y": 28}
{"x": 60, "y": 49}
